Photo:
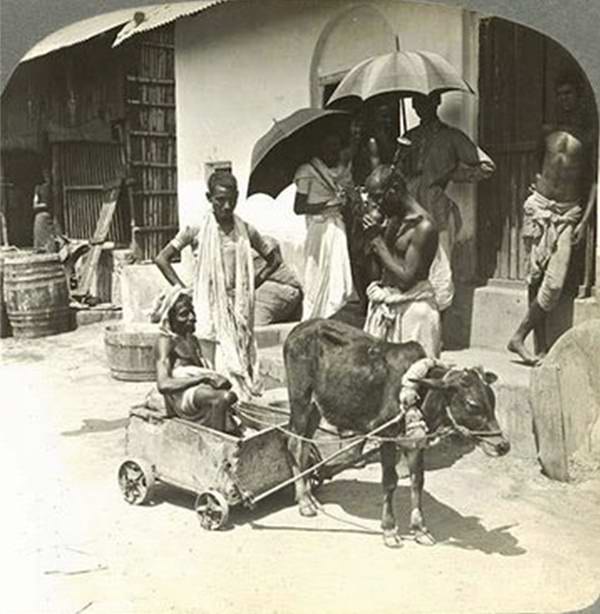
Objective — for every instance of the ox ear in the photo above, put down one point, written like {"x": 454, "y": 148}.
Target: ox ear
{"x": 431, "y": 383}
{"x": 487, "y": 376}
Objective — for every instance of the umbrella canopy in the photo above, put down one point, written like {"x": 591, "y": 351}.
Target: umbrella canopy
{"x": 289, "y": 143}
{"x": 403, "y": 72}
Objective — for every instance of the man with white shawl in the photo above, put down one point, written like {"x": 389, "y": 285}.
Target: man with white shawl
{"x": 402, "y": 305}
{"x": 224, "y": 283}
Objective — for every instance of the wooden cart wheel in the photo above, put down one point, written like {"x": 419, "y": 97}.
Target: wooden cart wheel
{"x": 314, "y": 457}
{"x": 212, "y": 509}
{"x": 136, "y": 481}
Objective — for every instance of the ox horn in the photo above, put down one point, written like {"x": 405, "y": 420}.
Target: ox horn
{"x": 430, "y": 382}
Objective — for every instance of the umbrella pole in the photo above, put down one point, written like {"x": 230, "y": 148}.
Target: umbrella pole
{"x": 403, "y": 126}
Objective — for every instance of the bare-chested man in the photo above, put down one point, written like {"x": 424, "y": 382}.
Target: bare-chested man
{"x": 191, "y": 389}
{"x": 554, "y": 217}
{"x": 402, "y": 305}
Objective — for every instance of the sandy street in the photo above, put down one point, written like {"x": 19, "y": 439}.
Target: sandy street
{"x": 509, "y": 540}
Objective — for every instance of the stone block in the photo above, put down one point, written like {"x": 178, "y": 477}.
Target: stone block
{"x": 99, "y": 313}
{"x": 586, "y": 309}
{"x": 140, "y": 285}
{"x": 566, "y": 390}
{"x": 273, "y": 334}
{"x": 497, "y": 309}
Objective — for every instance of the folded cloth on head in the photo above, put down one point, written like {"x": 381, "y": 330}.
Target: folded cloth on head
{"x": 162, "y": 305}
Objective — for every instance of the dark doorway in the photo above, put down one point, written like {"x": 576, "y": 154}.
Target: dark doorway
{"x": 518, "y": 69}
{"x": 20, "y": 171}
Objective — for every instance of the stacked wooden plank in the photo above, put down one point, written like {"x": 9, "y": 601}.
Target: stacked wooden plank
{"x": 151, "y": 143}
{"x": 84, "y": 170}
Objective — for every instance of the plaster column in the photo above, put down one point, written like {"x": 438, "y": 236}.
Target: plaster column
{"x": 597, "y": 284}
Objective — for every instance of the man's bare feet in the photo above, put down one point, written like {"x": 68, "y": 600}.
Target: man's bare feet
{"x": 517, "y": 346}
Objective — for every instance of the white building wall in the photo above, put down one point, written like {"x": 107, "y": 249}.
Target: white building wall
{"x": 242, "y": 64}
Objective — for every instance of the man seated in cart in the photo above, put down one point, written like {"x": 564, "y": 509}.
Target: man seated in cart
{"x": 191, "y": 389}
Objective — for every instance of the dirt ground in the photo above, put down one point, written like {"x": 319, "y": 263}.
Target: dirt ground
{"x": 509, "y": 540}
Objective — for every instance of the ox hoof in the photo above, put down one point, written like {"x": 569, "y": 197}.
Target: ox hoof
{"x": 307, "y": 510}
{"x": 423, "y": 537}
{"x": 391, "y": 539}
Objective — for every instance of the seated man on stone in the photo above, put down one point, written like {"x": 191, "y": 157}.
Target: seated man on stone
{"x": 402, "y": 304}
{"x": 190, "y": 388}
{"x": 279, "y": 298}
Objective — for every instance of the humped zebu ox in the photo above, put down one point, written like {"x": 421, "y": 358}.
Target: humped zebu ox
{"x": 354, "y": 381}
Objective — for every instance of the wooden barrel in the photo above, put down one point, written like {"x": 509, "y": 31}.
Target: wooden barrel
{"x": 5, "y": 328}
{"x": 130, "y": 351}
{"x": 37, "y": 295}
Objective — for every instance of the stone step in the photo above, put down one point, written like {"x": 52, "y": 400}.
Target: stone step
{"x": 513, "y": 406}
{"x": 100, "y": 313}
{"x": 487, "y": 316}
{"x": 273, "y": 334}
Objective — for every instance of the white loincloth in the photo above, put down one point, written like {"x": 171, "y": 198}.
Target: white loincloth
{"x": 399, "y": 317}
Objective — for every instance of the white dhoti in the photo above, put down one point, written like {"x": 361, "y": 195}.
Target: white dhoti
{"x": 327, "y": 274}
{"x": 399, "y": 317}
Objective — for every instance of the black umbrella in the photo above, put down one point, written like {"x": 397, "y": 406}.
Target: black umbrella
{"x": 289, "y": 143}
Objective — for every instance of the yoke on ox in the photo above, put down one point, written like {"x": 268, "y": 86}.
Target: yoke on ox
{"x": 354, "y": 381}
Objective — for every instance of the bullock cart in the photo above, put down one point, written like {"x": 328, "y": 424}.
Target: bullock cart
{"x": 223, "y": 470}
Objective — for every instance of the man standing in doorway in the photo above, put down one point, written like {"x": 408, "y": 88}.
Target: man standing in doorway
{"x": 47, "y": 235}
{"x": 554, "y": 220}
{"x": 402, "y": 305}
{"x": 439, "y": 154}
{"x": 224, "y": 283}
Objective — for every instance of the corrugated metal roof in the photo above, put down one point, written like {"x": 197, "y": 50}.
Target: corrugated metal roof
{"x": 153, "y": 16}
{"x": 81, "y": 31}
{"x": 160, "y": 15}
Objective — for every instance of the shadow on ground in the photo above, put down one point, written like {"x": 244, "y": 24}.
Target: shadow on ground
{"x": 362, "y": 501}
{"x": 94, "y": 425}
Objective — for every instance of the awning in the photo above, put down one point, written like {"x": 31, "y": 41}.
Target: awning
{"x": 160, "y": 15}
{"x": 134, "y": 21}
{"x": 80, "y": 32}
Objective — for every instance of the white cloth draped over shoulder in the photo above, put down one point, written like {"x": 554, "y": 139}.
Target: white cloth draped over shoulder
{"x": 327, "y": 274}
{"x": 225, "y": 316}
{"x": 398, "y": 317}
{"x": 440, "y": 276}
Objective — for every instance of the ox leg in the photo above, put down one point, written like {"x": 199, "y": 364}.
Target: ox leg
{"x": 299, "y": 450}
{"x": 416, "y": 468}
{"x": 389, "y": 481}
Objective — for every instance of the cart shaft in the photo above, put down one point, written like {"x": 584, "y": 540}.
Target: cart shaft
{"x": 308, "y": 471}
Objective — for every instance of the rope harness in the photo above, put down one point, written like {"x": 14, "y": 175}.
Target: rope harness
{"x": 409, "y": 402}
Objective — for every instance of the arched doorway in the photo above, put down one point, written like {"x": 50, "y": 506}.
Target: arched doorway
{"x": 353, "y": 36}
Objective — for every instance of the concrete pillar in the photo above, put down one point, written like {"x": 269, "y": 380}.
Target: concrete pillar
{"x": 598, "y": 232}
